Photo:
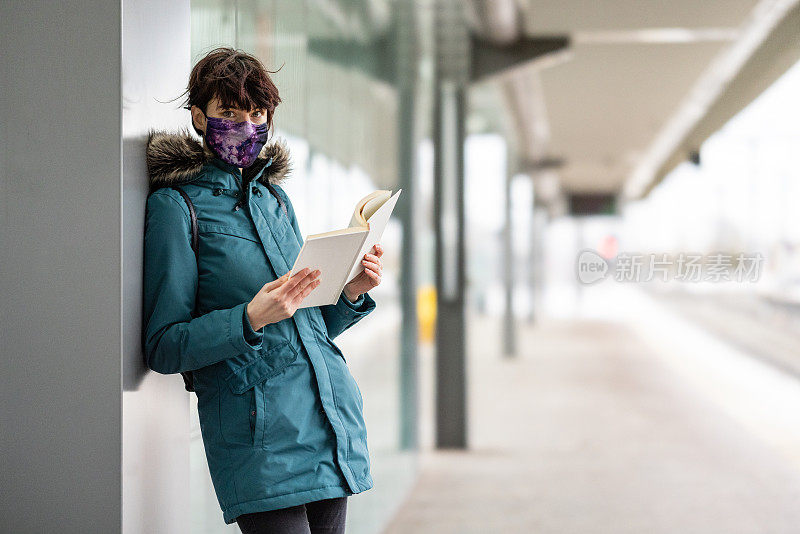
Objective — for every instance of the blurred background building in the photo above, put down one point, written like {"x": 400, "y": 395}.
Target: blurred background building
{"x": 587, "y": 320}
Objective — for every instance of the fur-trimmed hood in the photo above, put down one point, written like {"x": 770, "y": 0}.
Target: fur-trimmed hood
{"x": 176, "y": 157}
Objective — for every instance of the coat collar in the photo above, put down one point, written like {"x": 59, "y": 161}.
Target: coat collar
{"x": 176, "y": 157}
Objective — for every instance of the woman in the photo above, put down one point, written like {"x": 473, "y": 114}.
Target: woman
{"x": 280, "y": 413}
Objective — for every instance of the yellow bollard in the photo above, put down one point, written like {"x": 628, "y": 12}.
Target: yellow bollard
{"x": 426, "y": 312}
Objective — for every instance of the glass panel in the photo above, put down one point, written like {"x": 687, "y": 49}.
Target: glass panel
{"x": 339, "y": 117}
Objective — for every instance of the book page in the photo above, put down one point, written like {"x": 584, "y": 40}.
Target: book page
{"x": 367, "y": 206}
{"x": 377, "y": 224}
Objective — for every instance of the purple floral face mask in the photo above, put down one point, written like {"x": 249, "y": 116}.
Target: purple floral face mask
{"x": 237, "y": 143}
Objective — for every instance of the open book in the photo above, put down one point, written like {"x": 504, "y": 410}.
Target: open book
{"x": 338, "y": 253}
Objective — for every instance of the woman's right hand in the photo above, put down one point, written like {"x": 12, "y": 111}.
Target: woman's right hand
{"x": 279, "y": 299}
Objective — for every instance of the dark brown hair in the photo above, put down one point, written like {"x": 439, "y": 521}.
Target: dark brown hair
{"x": 237, "y": 78}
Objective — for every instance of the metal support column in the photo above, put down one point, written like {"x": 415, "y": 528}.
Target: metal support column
{"x": 450, "y": 85}
{"x": 509, "y": 321}
{"x": 535, "y": 257}
{"x": 406, "y": 39}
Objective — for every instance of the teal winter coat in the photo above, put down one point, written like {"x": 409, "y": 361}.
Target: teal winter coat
{"x": 280, "y": 413}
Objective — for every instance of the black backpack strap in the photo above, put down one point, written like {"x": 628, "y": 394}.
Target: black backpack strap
{"x": 188, "y": 377}
{"x": 192, "y": 216}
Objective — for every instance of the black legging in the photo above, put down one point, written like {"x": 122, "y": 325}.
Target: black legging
{"x": 324, "y": 517}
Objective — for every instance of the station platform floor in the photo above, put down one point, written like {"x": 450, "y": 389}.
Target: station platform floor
{"x": 627, "y": 417}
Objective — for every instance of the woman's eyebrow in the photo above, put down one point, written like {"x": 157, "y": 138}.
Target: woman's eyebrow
{"x": 234, "y": 108}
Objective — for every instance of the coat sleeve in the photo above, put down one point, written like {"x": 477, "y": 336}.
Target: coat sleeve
{"x": 344, "y": 314}
{"x": 173, "y": 341}
{"x": 253, "y": 337}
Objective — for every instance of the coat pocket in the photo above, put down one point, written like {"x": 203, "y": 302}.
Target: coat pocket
{"x": 270, "y": 362}
{"x": 243, "y": 410}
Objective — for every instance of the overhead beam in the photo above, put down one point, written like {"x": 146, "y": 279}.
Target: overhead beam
{"x": 777, "y": 52}
{"x": 491, "y": 59}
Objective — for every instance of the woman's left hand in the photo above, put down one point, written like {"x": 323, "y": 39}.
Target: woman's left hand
{"x": 369, "y": 277}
